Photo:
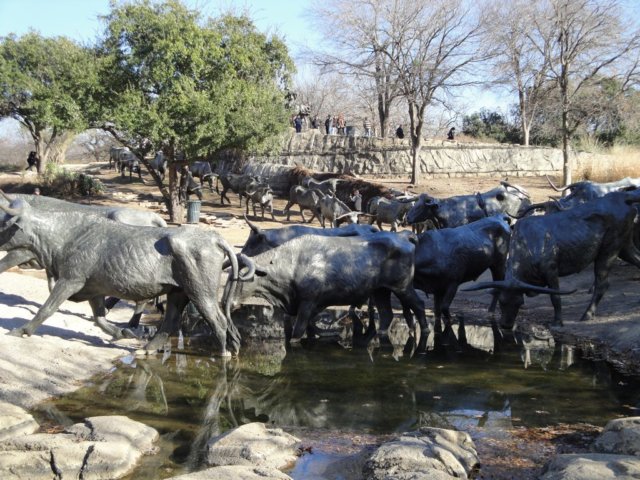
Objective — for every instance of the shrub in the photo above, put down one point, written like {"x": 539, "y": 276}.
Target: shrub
{"x": 62, "y": 182}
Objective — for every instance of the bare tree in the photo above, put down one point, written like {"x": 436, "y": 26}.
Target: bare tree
{"x": 433, "y": 47}
{"x": 521, "y": 62}
{"x": 328, "y": 94}
{"x": 589, "y": 40}
{"x": 355, "y": 45}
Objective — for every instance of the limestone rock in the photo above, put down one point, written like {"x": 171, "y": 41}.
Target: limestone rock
{"x": 15, "y": 421}
{"x": 100, "y": 448}
{"x": 116, "y": 428}
{"x": 433, "y": 453}
{"x": 253, "y": 444}
{"x": 235, "y": 472}
{"x": 594, "y": 466}
{"x": 620, "y": 436}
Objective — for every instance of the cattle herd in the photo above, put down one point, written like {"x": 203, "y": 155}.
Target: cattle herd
{"x": 99, "y": 254}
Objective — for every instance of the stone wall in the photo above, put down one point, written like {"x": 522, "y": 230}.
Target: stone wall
{"x": 391, "y": 156}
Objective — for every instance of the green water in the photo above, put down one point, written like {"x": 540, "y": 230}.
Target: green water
{"x": 190, "y": 397}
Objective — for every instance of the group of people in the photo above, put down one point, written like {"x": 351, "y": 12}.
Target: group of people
{"x": 335, "y": 125}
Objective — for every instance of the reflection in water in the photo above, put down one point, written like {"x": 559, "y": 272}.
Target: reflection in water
{"x": 471, "y": 378}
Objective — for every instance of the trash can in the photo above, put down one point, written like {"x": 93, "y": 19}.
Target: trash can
{"x": 193, "y": 211}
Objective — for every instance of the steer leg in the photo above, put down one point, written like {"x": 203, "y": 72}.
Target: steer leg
{"x": 99, "y": 314}
{"x": 176, "y": 301}
{"x": 13, "y": 258}
{"x": 601, "y": 284}
{"x": 409, "y": 298}
{"x": 382, "y": 299}
{"x": 445, "y": 302}
{"x": 134, "y": 321}
{"x": 62, "y": 290}
{"x": 306, "y": 311}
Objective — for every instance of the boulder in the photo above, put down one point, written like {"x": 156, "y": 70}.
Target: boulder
{"x": 14, "y": 421}
{"x": 253, "y": 444}
{"x": 235, "y": 472}
{"x": 594, "y": 466}
{"x": 100, "y": 448}
{"x": 116, "y": 428}
{"x": 620, "y": 436}
{"x": 432, "y": 453}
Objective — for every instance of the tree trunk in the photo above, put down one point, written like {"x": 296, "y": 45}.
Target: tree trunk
{"x": 566, "y": 165}
{"x": 176, "y": 209}
{"x": 524, "y": 126}
{"x": 415, "y": 161}
{"x": 52, "y": 151}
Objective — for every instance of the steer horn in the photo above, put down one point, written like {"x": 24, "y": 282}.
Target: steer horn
{"x": 253, "y": 226}
{"x": 244, "y": 260}
{"x": 563, "y": 189}
{"x": 515, "y": 284}
{"x": 6, "y": 197}
{"x": 506, "y": 184}
{"x": 11, "y": 211}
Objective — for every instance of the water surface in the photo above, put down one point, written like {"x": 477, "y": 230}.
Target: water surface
{"x": 328, "y": 391}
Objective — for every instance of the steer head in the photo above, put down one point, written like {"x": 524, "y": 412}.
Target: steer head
{"x": 511, "y": 296}
{"x": 13, "y": 220}
{"x": 424, "y": 209}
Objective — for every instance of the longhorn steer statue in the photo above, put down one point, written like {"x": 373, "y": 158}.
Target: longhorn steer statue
{"x": 128, "y": 216}
{"x": 203, "y": 171}
{"x": 448, "y": 257}
{"x": 261, "y": 195}
{"x": 235, "y": 182}
{"x": 546, "y": 247}
{"x": 115, "y": 153}
{"x": 92, "y": 257}
{"x": 463, "y": 209}
{"x": 391, "y": 211}
{"x": 328, "y": 186}
{"x": 331, "y": 208}
{"x": 307, "y": 274}
{"x": 128, "y": 160}
{"x": 159, "y": 164}
{"x": 260, "y": 240}
{"x": 306, "y": 199}
{"x": 586, "y": 190}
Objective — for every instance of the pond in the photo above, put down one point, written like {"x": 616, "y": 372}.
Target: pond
{"x": 475, "y": 379}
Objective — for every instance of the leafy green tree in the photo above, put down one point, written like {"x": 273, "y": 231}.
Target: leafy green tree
{"x": 489, "y": 124}
{"x": 46, "y": 85}
{"x": 174, "y": 81}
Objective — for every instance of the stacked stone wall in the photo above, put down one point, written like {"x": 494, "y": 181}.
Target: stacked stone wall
{"x": 392, "y": 157}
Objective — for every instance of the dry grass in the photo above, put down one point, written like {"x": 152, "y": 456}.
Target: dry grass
{"x": 616, "y": 163}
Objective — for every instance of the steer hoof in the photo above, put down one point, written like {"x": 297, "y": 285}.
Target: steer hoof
{"x": 127, "y": 333}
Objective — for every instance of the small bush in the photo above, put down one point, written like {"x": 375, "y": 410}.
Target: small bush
{"x": 61, "y": 182}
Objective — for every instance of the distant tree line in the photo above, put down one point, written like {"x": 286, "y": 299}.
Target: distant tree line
{"x": 608, "y": 116}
